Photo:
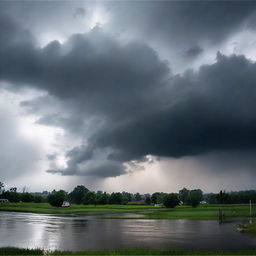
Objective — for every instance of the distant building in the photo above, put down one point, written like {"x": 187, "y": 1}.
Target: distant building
{"x": 65, "y": 204}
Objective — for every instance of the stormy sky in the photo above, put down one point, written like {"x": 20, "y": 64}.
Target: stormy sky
{"x": 128, "y": 95}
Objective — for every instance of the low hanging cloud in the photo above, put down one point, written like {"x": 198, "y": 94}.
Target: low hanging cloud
{"x": 123, "y": 101}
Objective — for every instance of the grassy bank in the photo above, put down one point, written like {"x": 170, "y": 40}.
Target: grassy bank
{"x": 73, "y": 209}
{"x": 249, "y": 229}
{"x": 17, "y": 251}
{"x": 252, "y": 229}
{"x": 149, "y": 212}
{"x": 199, "y": 213}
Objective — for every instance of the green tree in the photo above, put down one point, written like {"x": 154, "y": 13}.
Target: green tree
{"x": 125, "y": 200}
{"x": 26, "y": 197}
{"x": 222, "y": 197}
{"x": 183, "y": 195}
{"x": 116, "y": 198}
{"x": 137, "y": 197}
{"x": 210, "y": 198}
{"x": 56, "y": 198}
{"x": 14, "y": 189}
{"x": 127, "y": 195}
{"x": 195, "y": 197}
{"x": 38, "y": 199}
{"x": 90, "y": 198}
{"x": 154, "y": 197}
{"x": 77, "y": 195}
{"x": 148, "y": 200}
{"x": 171, "y": 200}
{"x": 103, "y": 198}
{"x": 11, "y": 196}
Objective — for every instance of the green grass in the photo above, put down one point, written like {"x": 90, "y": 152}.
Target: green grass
{"x": 20, "y": 251}
{"x": 199, "y": 213}
{"x": 17, "y": 251}
{"x": 249, "y": 229}
{"x": 149, "y": 212}
{"x": 73, "y": 209}
{"x": 252, "y": 229}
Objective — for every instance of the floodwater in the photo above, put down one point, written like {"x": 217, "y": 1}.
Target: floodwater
{"x": 92, "y": 232}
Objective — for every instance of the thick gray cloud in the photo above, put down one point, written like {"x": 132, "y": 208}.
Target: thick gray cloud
{"x": 123, "y": 100}
{"x": 193, "y": 52}
{"x": 179, "y": 25}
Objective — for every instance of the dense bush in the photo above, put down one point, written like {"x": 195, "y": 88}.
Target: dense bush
{"x": 11, "y": 196}
{"x": 89, "y": 198}
{"x": 77, "y": 195}
{"x": 171, "y": 200}
{"x": 38, "y": 199}
{"x": 116, "y": 198}
{"x": 148, "y": 200}
{"x": 26, "y": 197}
{"x": 56, "y": 198}
{"x": 195, "y": 197}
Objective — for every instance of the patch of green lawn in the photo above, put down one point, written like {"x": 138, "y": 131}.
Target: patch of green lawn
{"x": 200, "y": 212}
{"x": 73, "y": 209}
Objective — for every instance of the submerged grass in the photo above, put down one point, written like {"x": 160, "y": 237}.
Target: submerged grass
{"x": 18, "y": 251}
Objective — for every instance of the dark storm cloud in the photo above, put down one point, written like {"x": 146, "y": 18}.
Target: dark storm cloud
{"x": 183, "y": 23}
{"x": 193, "y": 52}
{"x": 135, "y": 105}
{"x": 214, "y": 111}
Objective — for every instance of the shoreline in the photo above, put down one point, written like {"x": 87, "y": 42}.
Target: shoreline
{"x": 202, "y": 212}
{"x": 136, "y": 251}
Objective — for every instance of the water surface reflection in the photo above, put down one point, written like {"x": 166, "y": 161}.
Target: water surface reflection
{"x": 91, "y": 232}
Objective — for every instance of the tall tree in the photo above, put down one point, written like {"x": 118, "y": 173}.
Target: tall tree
{"x": 137, "y": 197}
{"x": 154, "y": 197}
{"x": 195, "y": 197}
{"x": 183, "y": 195}
{"x": 77, "y": 195}
{"x": 171, "y": 200}
{"x": 56, "y": 198}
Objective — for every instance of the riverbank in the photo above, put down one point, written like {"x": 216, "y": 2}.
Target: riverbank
{"x": 35, "y": 252}
{"x": 249, "y": 229}
{"x": 252, "y": 229}
{"x": 46, "y": 208}
{"x": 202, "y": 212}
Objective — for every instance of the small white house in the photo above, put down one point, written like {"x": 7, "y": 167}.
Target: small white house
{"x": 65, "y": 204}
{"x": 2, "y": 200}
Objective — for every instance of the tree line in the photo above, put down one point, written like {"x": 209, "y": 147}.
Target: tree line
{"x": 82, "y": 195}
